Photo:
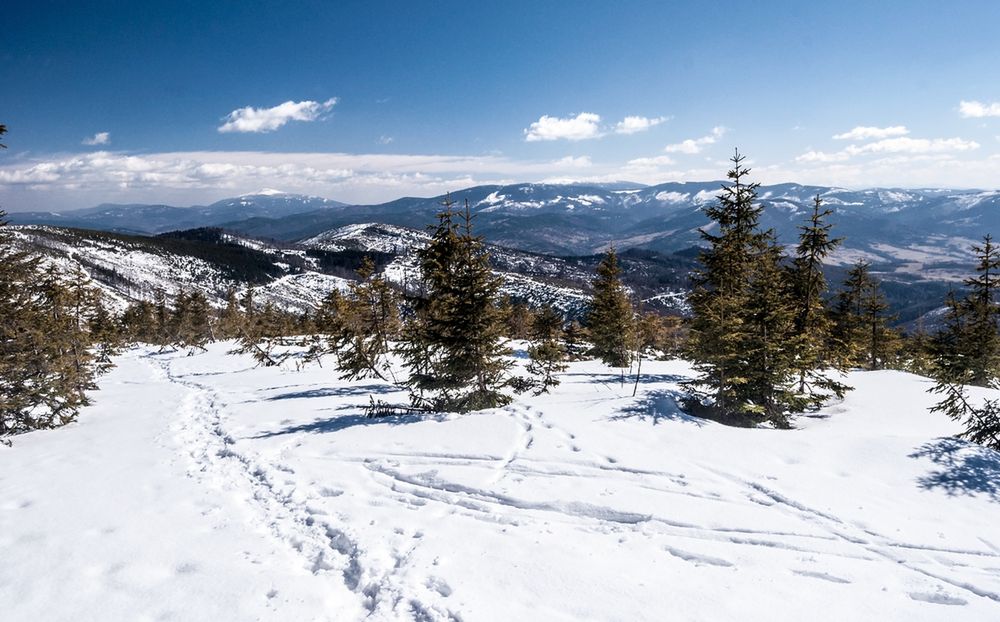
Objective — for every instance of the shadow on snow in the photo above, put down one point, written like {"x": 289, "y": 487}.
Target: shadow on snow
{"x": 966, "y": 469}
{"x": 658, "y": 406}
{"x": 629, "y": 378}
{"x": 368, "y": 389}
{"x": 335, "y": 424}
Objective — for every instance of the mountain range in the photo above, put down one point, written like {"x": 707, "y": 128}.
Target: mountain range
{"x": 906, "y": 233}
{"x": 143, "y": 218}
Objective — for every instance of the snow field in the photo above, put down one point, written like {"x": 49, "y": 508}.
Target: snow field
{"x": 200, "y": 487}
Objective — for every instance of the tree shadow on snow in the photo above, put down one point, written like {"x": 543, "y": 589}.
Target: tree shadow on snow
{"x": 658, "y": 406}
{"x": 629, "y": 378}
{"x": 368, "y": 389}
{"x": 335, "y": 424}
{"x": 966, "y": 469}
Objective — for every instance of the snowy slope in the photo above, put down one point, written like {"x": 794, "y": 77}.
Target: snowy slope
{"x": 130, "y": 268}
{"x": 532, "y": 278}
{"x": 202, "y": 488}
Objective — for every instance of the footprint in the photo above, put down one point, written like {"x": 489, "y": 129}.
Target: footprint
{"x": 439, "y": 585}
{"x": 697, "y": 559}
{"x": 937, "y": 598}
{"x": 820, "y": 575}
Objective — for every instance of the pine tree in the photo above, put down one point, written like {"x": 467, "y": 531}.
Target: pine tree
{"x": 365, "y": 324}
{"x": 967, "y": 351}
{"x": 453, "y": 345}
{"x": 22, "y": 370}
{"x": 230, "y": 320}
{"x": 812, "y": 320}
{"x": 575, "y": 337}
{"x": 611, "y": 319}
{"x": 861, "y": 335}
{"x": 190, "y": 323}
{"x": 547, "y": 354}
{"x": 46, "y": 365}
{"x": 518, "y": 319}
{"x": 979, "y": 342}
{"x": 139, "y": 324}
{"x": 723, "y": 344}
{"x": 107, "y": 334}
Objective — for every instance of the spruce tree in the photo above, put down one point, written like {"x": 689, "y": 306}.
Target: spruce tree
{"x": 547, "y": 354}
{"x": 812, "y": 319}
{"x": 861, "y": 336}
{"x": 46, "y": 365}
{"x": 610, "y": 318}
{"x": 230, "y": 320}
{"x": 365, "y": 323}
{"x": 452, "y": 345}
{"x": 967, "y": 351}
{"x": 770, "y": 329}
{"x": 139, "y": 323}
{"x": 731, "y": 318}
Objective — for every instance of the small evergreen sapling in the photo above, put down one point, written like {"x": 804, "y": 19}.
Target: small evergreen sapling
{"x": 547, "y": 353}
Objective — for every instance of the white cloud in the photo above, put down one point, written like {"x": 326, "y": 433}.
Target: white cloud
{"x": 862, "y": 132}
{"x": 574, "y": 162}
{"x": 915, "y": 145}
{"x": 250, "y": 119}
{"x": 636, "y": 124}
{"x": 200, "y": 177}
{"x": 902, "y": 145}
{"x": 978, "y": 110}
{"x": 695, "y": 145}
{"x": 650, "y": 163}
{"x": 581, "y": 127}
{"x": 100, "y": 138}
{"x": 820, "y": 156}
{"x": 384, "y": 140}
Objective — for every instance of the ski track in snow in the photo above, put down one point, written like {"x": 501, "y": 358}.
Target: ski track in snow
{"x": 364, "y": 530}
{"x": 291, "y": 515}
{"x": 326, "y": 547}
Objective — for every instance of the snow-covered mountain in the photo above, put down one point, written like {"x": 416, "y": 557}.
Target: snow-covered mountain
{"x": 921, "y": 234}
{"x": 925, "y": 232}
{"x": 533, "y": 278}
{"x": 141, "y": 218}
{"x": 129, "y": 268}
{"x": 298, "y": 276}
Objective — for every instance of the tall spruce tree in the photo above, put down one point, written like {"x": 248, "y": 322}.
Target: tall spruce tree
{"x": 812, "y": 319}
{"x": 967, "y": 350}
{"x": 453, "y": 345}
{"x": 768, "y": 393}
{"x": 741, "y": 313}
{"x": 610, "y": 318}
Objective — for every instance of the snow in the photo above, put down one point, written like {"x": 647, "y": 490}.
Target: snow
{"x": 672, "y": 197}
{"x": 203, "y": 488}
{"x": 143, "y": 270}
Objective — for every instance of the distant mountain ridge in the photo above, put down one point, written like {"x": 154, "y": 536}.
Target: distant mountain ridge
{"x": 922, "y": 233}
{"x": 157, "y": 218}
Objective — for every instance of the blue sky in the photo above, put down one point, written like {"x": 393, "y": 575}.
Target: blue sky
{"x": 189, "y": 102}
